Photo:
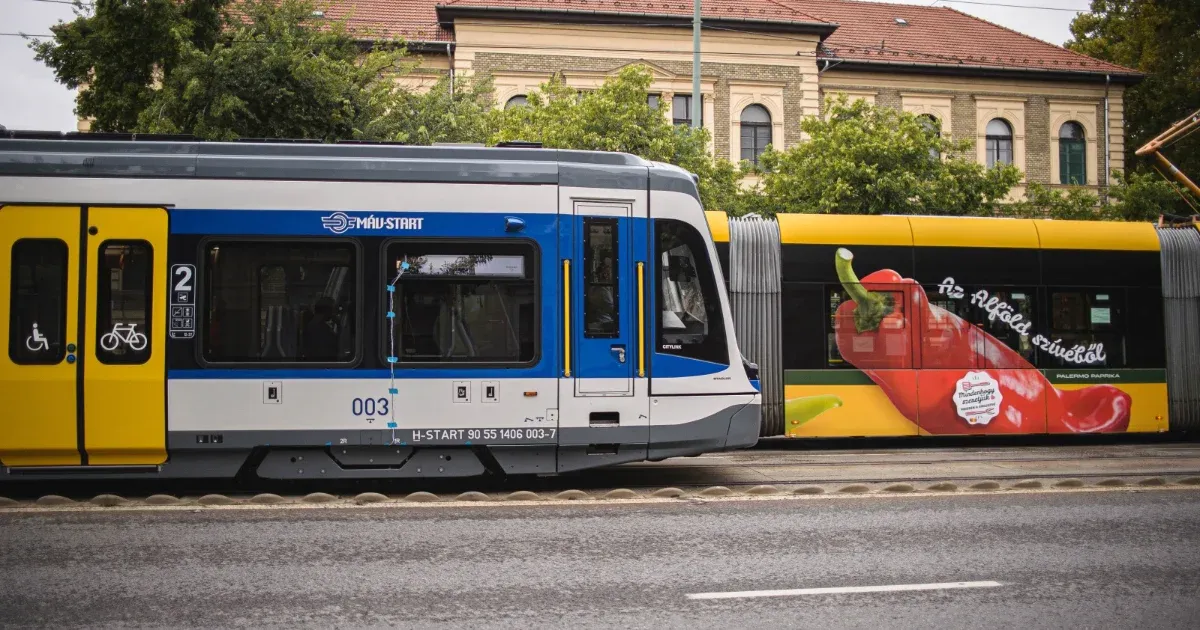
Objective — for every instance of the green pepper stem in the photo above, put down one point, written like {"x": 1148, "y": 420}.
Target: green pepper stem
{"x": 871, "y": 307}
{"x": 844, "y": 263}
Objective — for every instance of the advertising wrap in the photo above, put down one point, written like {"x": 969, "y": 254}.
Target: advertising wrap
{"x": 923, "y": 370}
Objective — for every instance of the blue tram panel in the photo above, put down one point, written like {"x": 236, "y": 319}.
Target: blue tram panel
{"x": 357, "y": 311}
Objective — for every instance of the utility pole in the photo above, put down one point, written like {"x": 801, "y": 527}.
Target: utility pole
{"x": 697, "y": 98}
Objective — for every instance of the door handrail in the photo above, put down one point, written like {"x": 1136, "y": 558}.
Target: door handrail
{"x": 641, "y": 293}
{"x": 566, "y": 318}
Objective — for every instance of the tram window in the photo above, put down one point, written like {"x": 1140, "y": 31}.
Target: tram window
{"x": 1145, "y": 329}
{"x": 942, "y": 338}
{"x": 37, "y": 320}
{"x": 890, "y": 346}
{"x": 689, "y": 314}
{"x": 833, "y": 357}
{"x": 1009, "y": 333}
{"x": 1086, "y": 330}
{"x": 601, "y": 310}
{"x": 280, "y": 302}
{"x": 459, "y": 302}
{"x": 123, "y": 301}
{"x": 804, "y": 326}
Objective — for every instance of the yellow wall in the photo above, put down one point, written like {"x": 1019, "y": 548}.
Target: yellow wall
{"x": 1067, "y": 101}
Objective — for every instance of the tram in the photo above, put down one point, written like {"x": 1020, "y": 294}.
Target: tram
{"x": 928, "y": 326}
{"x": 284, "y": 310}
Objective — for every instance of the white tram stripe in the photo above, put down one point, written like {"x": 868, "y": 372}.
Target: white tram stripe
{"x": 890, "y": 588}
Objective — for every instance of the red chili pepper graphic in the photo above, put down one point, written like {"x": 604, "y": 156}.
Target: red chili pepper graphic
{"x": 872, "y": 333}
{"x": 1095, "y": 409}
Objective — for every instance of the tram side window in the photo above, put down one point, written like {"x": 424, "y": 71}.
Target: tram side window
{"x": 458, "y": 302}
{"x": 689, "y": 309}
{"x": 37, "y": 321}
{"x": 123, "y": 302}
{"x": 944, "y": 342}
{"x": 989, "y": 316}
{"x": 889, "y": 346}
{"x": 1086, "y": 329}
{"x": 601, "y": 310}
{"x": 274, "y": 301}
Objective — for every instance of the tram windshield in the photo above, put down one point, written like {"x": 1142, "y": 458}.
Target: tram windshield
{"x": 690, "y": 319}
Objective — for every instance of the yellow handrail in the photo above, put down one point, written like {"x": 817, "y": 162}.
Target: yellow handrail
{"x": 566, "y": 318}
{"x": 641, "y": 321}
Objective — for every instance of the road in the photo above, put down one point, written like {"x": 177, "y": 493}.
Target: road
{"x": 1094, "y": 559}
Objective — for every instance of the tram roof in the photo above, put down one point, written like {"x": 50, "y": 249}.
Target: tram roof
{"x": 944, "y": 231}
{"x": 25, "y": 153}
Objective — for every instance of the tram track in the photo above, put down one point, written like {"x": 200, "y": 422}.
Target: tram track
{"x": 738, "y": 469}
{"x": 1147, "y": 473}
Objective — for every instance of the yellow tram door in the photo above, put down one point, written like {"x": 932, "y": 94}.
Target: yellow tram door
{"x": 39, "y": 418}
{"x": 124, "y": 392}
{"x": 85, "y": 371}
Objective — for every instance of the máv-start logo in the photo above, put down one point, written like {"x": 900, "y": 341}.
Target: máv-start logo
{"x": 340, "y": 223}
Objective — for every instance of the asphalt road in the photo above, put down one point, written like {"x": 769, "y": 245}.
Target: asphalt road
{"x": 1114, "y": 559}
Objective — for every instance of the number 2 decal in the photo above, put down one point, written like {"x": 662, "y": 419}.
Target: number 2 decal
{"x": 185, "y": 278}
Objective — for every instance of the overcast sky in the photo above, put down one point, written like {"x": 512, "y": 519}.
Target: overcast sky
{"x": 30, "y": 98}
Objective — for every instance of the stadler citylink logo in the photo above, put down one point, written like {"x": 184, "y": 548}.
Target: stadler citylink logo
{"x": 340, "y": 223}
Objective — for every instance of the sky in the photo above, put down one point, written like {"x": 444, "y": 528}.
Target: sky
{"x": 30, "y": 98}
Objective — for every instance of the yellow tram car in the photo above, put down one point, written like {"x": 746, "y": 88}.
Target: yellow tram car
{"x": 923, "y": 326}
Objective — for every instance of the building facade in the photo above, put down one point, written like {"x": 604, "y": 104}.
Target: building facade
{"x": 1055, "y": 114}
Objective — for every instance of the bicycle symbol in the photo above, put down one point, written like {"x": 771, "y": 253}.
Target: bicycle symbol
{"x": 36, "y": 342}
{"x": 123, "y": 333}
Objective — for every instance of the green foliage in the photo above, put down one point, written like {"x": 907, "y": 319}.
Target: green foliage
{"x": 1132, "y": 197}
{"x": 270, "y": 70}
{"x": 875, "y": 160}
{"x": 1162, "y": 39}
{"x": 1042, "y": 201}
{"x": 117, "y": 48}
{"x": 1146, "y": 196}
{"x": 617, "y": 117}
{"x": 276, "y": 72}
{"x": 437, "y": 115}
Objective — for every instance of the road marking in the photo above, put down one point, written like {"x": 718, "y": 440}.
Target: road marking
{"x": 889, "y": 588}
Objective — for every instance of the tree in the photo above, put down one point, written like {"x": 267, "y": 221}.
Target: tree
{"x": 257, "y": 68}
{"x": 617, "y": 117}
{"x": 1133, "y": 197}
{"x": 1162, "y": 39}
{"x": 1076, "y": 204}
{"x": 1146, "y": 196}
{"x": 440, "y": 114}
{"x": 865, "y": 159}
{"x": 277, "y": 71}
{"x": 119, "y": 46}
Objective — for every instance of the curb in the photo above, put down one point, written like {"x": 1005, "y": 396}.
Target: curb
{"x": 112, "y": 502}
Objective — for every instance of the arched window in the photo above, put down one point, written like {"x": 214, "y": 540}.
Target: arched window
{"x": 519, "y": 100}
{"x": 756, "y": 132}
{"x": 999, "y": 142}
{"x": 933, "y": 127}
{"x": 1072, "y": 164}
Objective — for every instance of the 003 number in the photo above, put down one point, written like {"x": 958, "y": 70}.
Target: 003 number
{"x": 369, "y": 407}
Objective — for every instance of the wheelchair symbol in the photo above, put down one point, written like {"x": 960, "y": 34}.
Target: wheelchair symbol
{"x": 36, "y": 342}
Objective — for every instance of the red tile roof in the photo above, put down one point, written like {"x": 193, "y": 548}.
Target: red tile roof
{"x": 868, "y": 31}
{"x": 772, "y": 10}
{"x": 414, "y": 20}
{"x": 865, "y": 31}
